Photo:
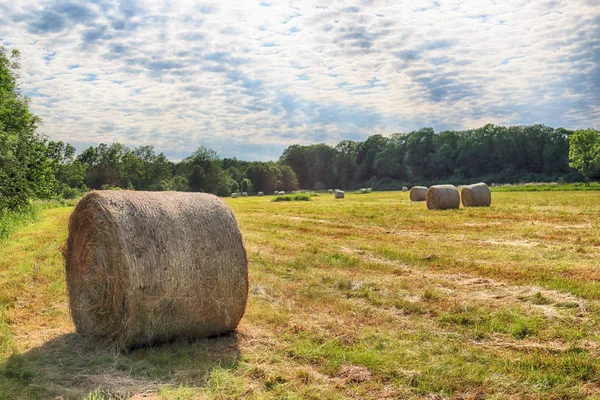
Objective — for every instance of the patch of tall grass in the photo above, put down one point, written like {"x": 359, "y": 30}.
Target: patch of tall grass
{"x": 295, "y": 197}
{"x": 10, "y": 221}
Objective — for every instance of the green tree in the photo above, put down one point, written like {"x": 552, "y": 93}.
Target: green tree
{"x": 25, "y": 171}
{"x": 203, "y": 169}
{"x": 263, "y": 176}
{"x": 584, "y": 152}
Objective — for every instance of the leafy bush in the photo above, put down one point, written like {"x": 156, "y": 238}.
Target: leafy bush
{"x": 295, "y": 197}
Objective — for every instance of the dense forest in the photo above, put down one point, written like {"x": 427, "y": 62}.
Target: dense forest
{"x": 32, "y": 166}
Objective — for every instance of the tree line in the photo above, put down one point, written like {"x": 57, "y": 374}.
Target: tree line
{"x": 491, "y": 153}
{"x": 34, "y": 167}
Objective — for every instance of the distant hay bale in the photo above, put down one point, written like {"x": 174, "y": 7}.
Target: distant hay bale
{"x": 245, "y": 194}
{"x": 418, "y": 193}
{"x": 149, "y": 267}
{"x": 369, "y": 190}
{"x": 404, "y": 189}
{"x": 363, "y": 190}
{"x": 476, "y": 195}
{"x": 442, "y": 197}
{"x": 330, "y": 191}
{"x": 276, "y": 193}
{"x": 234, "y": 195}
{"x": 281, "y": 193}
{"x": 261, "y": 194}
{"x": 339, "y": 194}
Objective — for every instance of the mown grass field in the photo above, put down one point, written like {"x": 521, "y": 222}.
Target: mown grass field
{"x": 367, "y": 297}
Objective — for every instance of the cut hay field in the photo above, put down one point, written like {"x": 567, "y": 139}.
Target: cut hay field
{"x": 371, "y": 296}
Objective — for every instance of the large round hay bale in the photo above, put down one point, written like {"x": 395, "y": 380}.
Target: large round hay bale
{"x": 442, "y": 197}
{"x": 418, "y": 193}
{"x": 476, "y": 195}
{"x": 339, "y": 194}
{"x": 148, "y": 267}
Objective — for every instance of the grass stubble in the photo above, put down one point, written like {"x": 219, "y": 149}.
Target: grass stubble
{"x": 366, "y": 297}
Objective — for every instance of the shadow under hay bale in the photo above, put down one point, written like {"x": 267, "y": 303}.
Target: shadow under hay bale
{"x": 149, "y": 267}
{"x": 70, "y": 366}
{"x": 418, "y": 193}
{"x": 442, "y": 197}
{"x": 476, "y": 195}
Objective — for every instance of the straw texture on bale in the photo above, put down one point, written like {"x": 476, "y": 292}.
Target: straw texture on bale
{"x": 418, "y": 193}
{"x": 442, "y": 197}
{"x": 476, "y": 195}
{"x": 339, "y": 194}
{"x": 234, "y": 195}
{"x": 149, "y": 267}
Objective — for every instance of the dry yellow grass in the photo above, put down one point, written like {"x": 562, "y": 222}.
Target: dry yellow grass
{"x": 372, "y": 297}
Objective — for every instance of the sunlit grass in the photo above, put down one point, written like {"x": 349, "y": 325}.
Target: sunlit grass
{"x": 366, "y": 297}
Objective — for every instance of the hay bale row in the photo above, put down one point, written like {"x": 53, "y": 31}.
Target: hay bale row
{"x": 476, "y": 195}
{"x": 442, "y": 197}
{"x": 418, "y": 193}
{"x": 148, "y": 267}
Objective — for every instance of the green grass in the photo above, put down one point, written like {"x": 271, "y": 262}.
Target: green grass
{"x": 10, "y": 221}
{"x": 546, "y": 187}
{"x": 365, "y": 297}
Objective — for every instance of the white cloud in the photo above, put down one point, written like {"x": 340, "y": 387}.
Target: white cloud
{"x": 249, "y": 80}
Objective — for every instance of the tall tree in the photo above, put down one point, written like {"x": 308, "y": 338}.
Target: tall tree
{"x": 584, "y": 152}
{"x": 25, "y": 171}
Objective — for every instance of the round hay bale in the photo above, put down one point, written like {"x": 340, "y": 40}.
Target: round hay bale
{"x": 234, "y": 195}
{"x": 339, "y": 194}
{"x": 363, "y": 190}
{"x": 330, "y": 191}
{"x": 281, "y": 193}
{"x": 149, "y": 267}
{"x": 418, "y": 193}
{"x": 442, "y": 197}
{"x": 261, "y": 194}
{"x": 476, "y": 195}
{"x": 404, "y": 189}
{"x": 245, "y": 194}
{"x": 276, "y": 193}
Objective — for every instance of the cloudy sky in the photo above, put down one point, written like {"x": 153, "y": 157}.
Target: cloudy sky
{"x": 250, "y": 78}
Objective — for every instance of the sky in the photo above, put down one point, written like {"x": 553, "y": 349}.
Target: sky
{"x": 250, "y": 78}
